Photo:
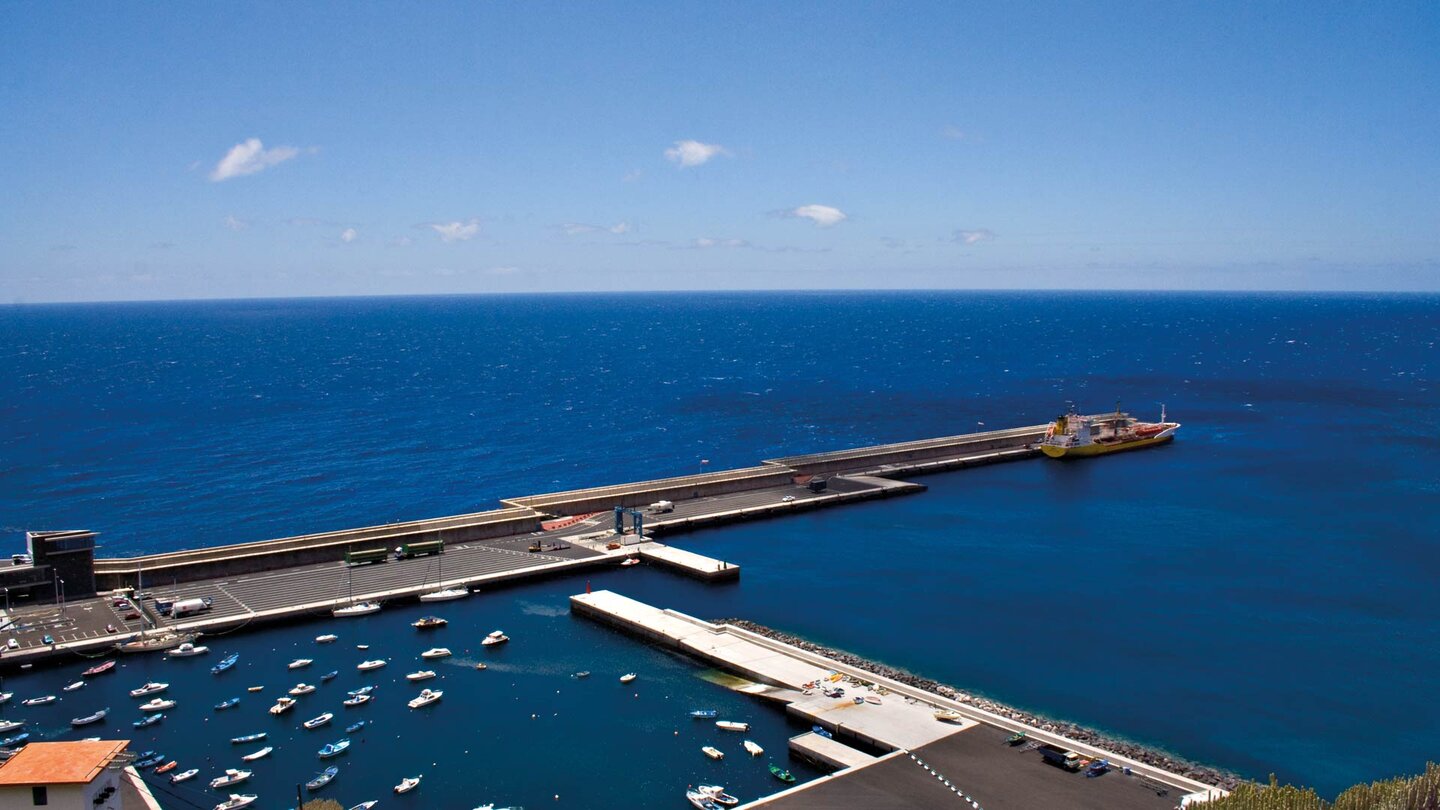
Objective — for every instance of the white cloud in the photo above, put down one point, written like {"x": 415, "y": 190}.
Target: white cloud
{"x": 970, "y": 237}
{"x": 234, "y": 223}
{"x": 822, "y": 215}
{"x": 349, "y": 235}
{"x": 503, "y": 271}
{"x": 693, "y": 153}
{"x": 578, "y": 228}
{"x": 632, "y": 175}
{"x": 404, "y": 241}
{"x": 619, "y": 228}
{"x": 953, "y": 132}
{"x": 705, "y": 242}
{"x": 250, "y": 157}
{"x": 456, "y": 231}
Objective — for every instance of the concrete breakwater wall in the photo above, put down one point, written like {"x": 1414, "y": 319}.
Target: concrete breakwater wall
{"x": 1158, "y": 759}
{"x": 913, "y": 453}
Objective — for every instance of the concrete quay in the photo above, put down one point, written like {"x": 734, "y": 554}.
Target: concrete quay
{"x": 974, "y": 759}
{"x": 689, "y": 563}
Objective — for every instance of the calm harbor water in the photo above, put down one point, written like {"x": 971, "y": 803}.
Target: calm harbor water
{"x": 1258, "y": 595}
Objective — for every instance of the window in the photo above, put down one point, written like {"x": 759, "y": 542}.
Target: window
{"x": 40, "y": 795}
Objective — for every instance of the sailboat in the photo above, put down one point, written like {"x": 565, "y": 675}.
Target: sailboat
{"x": 446, "y": 594}
{"x": 354, "y": 608}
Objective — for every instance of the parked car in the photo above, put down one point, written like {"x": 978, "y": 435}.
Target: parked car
{"x": 110, "y": 628}
{"x": 13, "y": 644}
{"x": 131, "y": 615}
{"x": 48, "y": 639}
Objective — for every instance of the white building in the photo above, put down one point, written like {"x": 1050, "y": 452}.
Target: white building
{"x": 73, "y": 776}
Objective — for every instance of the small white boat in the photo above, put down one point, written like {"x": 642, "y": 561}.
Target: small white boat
{"x": 872, "y": 700}
{"x": 700, "y": 801}
{"x": 282, "y": 705}
{"x": 422, "y": 675}
{"x": 317, "y": 722}
{"x": 237, "y": 801}
{"x": 495, "y": 637}
{"x": 184, "y": 776}
{"x": 365, "y": 805}
{"x": 446, "y": 595}
{"x": 948, "y": 716}
{"x": 5, "y": 696}
{"x": 408, "y": 784}
{"x": 425, "y": 698}
{"x": 261, "y": 754}
{"x": 754, "y": 748}
{"x": 366, "y": 666}
{"x": 718, "y": 795}
{"x": 357, "y": 609}
{"x": 731, "y": 725}
{"x": 149, "y": 689}
{"x": 300, "y": 663}
{"x": 233, "y": 776}
{"x": 39, "y": 701}
{"x": 157, "y": 705}
{"x": 362, "y": 646}
{"x": 301, "y": 689}
{"x": 356, "y": 700}
{"x": 628, "y": 677}
{"x": 713, "y": 752}
{"x": 76, "y": 685}
{"x": 327, "y": 638}
{"x": 630, "y": 561}
{"x": 10, "y": 725}
{"x": 186, "y": 650}
{"x": 436, "y": 652}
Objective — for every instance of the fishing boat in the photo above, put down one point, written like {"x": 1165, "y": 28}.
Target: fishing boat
{"x": 754, "y": 748}
{"x": 157, "y": 705}
{"x": 704, "y": 714}
{"x": 300, "y": 663}
{"x": 425, "y": 698}
{"x": 248, "y": 738}
{"x": 261, "y": 754}
{"x": 226, "y": 704}
{"x": 10, "y": 725}
{"x": 225, "y": 663}
{"x": 1017, "y": 738}
{"x": 237, "y": 801}
{"x": 168, "y": 767}
{"x": 495, "y": 637}
{"x": 436, "y": 652}
{"x": 149, "y": 689}
{"x": 948, "y": 716}
{"x": 184, "y": 776}
{"x": 334, "y": 749}
{"x": 731, "y": 725}
{"x": 422, "y": 675}
{"x": 148, "y": 720}
{"x": 366, "y": 666}
{"x": 187, "y": 650}
{"x": 17, "y": 740}
{"x": 628, "y": 677}
{"x": 364, "y": 690}
{"x": 323, "y": 778}
{"x": 76, "y": 685}
{"x": 713, "y": 752}
{"x": 99, "y": 669}
{"x": 326, "y": 638}
{"x": 428, "y": 623}
{"x": 718, "y": 794}
{"x": 282, "y": 705}
{"x": 357, "y": 609}
{"x": 329, "y": 676}
{"x": 144, "y": 761}
{"x": 408, "y": 784}
{"x": 355, "y": 700}
{"x": 355, "y": 726}
{"x": 317, "y": 722}
{"x": 301, "y": 689}
{"x": 233, "y": 776}
{"x": 43, "y": 700}
{"x": 781, "y": 774}
{"x": 700, "y": 801}
{"x": 1076, "y": 436}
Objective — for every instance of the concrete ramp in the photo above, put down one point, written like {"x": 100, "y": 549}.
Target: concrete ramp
{"x": 827, "y": 752}
{"x": 688, "y": 562}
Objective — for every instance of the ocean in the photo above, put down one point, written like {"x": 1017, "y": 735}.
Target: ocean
{"x": 1259, "y": 594}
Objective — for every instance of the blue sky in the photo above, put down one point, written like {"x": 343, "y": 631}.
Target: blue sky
{"x": 258, "y": 149}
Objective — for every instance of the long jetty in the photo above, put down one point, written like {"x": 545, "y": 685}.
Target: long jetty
{"x": 528, "y": 537}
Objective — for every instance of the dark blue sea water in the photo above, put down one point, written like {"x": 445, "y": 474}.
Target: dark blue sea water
{"x": 1259, "y": 594}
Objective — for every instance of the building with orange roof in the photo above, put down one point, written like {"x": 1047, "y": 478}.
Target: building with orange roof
{"x": 85, "y": 775}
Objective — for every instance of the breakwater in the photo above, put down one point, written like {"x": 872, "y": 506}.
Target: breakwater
{"x": 1201, "y": 773}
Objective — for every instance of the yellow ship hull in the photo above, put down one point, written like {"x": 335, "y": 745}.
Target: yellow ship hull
{"x": 1096, "y": 449}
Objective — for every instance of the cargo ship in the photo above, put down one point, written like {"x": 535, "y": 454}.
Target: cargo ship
{"x": 1076, "y": 436}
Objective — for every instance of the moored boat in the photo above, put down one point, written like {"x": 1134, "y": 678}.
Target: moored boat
{"x": 628, "y": 677}
{"x": 187, "y": 650}
{"x": 326, "y": 638}
{"x": 157, "y": 705}
{"x": 282, "y": 705}
{"x": 76, "y": 685}
{"x": 225, "y": 663}
{"x": 334, "y": 749}
{"x": 700, "y": 801}
{"x": 1076, "y": 436}
{"x": 718, "y": 794}
{"x": 149, "y": 689}
{"x": 184, "y": 776}
{"x": 365, "y": 805}
{"x": 713, "y": 752}
{"x": 236, "y": 801}
{"x": 148, "y": 720}
{"x": 374, "y": 663}
{"x": 10, "y": 725}
{"x": 422, "y": 675}
{"x": 364, "y": 690}
{"x": 436, "y": 652}
{"x": 232, "y": 776}
{"x": 446, "y": 595}
{"x": 408, "y": 784}
{"x": 301, "y": 689}
{"x": 428, "y": 623}
{"x": 300, "y": 663}
{"x": 89, "y": 719}
{"x": 254, "y": 688}
{"x": 317, "y": 722}
{"x": 99, "y": 669}
{"x": 16, "y": 741}
{"x": 355, "y": 726}
{"x": 323, "y": 778}
{"x": 144, "y": 761}
{"x": 355, "y": 700}
{"x": 704, "y": 714}
{"x": 425, "y": 698}
{"x": 261, "y": 754}
{"x": 329, "y": 676}
{"x": 731, "y": 725}
{"x": 43, "y": 700}
{"x": 248, "y": 738}
{"x": 495, "y": 637}
{"x": 781, "y": 774}
{"x": 226, "y": 704}
{"x": 168, "y": 767}
{"x": 754, "y": 748}
{"x": 357, "y": 609}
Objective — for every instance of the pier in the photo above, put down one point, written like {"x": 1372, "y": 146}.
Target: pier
{"x": 937, "y": 762}
{"x": 689, "y": 563}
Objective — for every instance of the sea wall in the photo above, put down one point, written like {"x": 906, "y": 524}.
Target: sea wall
{"x": 910, "y": 454}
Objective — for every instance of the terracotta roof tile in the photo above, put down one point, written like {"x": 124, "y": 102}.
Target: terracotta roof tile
{"x": 58, "y": 763}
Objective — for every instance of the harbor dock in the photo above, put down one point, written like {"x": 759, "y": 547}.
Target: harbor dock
{"x": 689, "y": 563}
{"x": 968, "y": 757}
